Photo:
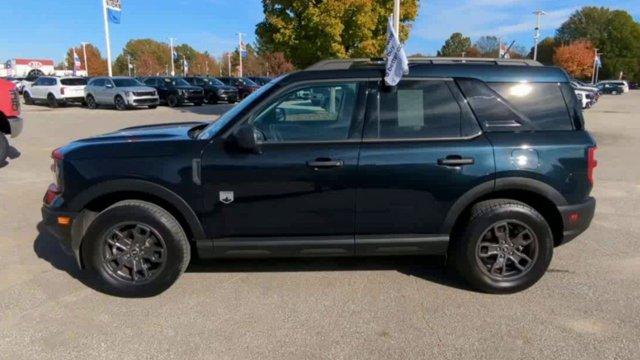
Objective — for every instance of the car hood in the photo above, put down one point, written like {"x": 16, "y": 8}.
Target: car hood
{"x": 149, "y": 132}
{"x": 190, "y": 88}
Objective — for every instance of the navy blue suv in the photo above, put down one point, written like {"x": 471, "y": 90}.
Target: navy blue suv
{"x": 485, "y": 162}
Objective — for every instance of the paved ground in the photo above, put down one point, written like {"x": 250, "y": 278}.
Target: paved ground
{"x": 586, "y": 306}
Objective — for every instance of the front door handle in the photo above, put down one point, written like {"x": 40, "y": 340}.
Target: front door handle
{"x": 324, "y": 163}
{"x": 455, "y": 160}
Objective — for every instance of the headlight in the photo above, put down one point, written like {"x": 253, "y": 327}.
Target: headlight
{"x": 56, "y": 169}
{"x": 220, "y": 91}
{"x": 128, "y": 93}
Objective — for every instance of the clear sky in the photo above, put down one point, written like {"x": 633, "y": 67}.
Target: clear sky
{"x": 46, "y": 29}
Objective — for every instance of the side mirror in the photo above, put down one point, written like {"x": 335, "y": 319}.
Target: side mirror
{"x": 109, "y": 86}
{"x": 247, "y": 138}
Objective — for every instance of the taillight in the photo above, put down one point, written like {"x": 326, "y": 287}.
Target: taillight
{"x": 591, "y": 163}
{"x": 62, "y": 91}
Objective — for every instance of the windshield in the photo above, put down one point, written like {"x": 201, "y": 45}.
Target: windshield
{"x": 215, "y": 82}
{"x": 126, "y": 82}
{"x": 176, "y": 82}
{"x": 215, "y": 126}
{"x": 248, "y": 82}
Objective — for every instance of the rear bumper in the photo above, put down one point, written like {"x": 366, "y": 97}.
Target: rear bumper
{"x": 15, "y": 124}
{"x": 75, "y": 99}
{"x": 576, "y": 218}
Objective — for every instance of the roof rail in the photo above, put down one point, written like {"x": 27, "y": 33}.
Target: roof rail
{"x": 344, "y": 64}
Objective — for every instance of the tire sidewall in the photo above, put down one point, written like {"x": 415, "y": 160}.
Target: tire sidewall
{"x": 470, "y": 267}
{"x": 123, "y": 104}
{"x": 94, "y": 241}
{"x": 91, "y": 102}
{"x": 4, "y": 148}
{"x": 172, "y": 101}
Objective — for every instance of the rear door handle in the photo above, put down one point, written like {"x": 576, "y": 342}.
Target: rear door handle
{"x": 455, "y": 160}
{"x": 325, "y": 163}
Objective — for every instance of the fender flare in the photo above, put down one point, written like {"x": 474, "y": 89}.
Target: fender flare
{"x": 80, "y": 201}
{"x": 509, "y": 183}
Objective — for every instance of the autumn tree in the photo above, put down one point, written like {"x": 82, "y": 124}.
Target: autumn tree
{"x": 613, "y": 32}
{"x": 576, "y": 58}
{"x": 488, "y": 46}
{"x": 276, "y": 64}
{"x": 96, "y": 64}
{"x": 455, "y": 45}
{"x": 308, "y": 31}
{"x": 149, "y": 57}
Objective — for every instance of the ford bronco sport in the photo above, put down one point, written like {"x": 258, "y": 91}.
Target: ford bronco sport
{"x": 484, "y": 161}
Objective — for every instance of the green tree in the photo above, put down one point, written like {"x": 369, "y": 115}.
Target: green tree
{"x": 612, "y": 32}
{"x": 455, "y": 45}
{"x": 546, "y": 48}
{"x": 308, "y": 31}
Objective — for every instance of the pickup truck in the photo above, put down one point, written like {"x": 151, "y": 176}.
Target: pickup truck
{"x": 10, "y": 120}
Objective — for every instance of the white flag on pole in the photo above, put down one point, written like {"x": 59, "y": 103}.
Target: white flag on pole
{"x": 397, "y": 62}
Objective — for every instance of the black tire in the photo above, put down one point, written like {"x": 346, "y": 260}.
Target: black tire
{"x": 4, "y": 148}
{"x": 91, "y": 102}
{"x": 173, "y": 101}
{"x": 28, "y": 100}
{"x": 153, "y": 106}
{"x": 165, "y": 231}
{"x": 212, "y": 99}
{"x": 466, "y": 255}
{"x": 119, "y": 103}
{"x": 52, "y": 102}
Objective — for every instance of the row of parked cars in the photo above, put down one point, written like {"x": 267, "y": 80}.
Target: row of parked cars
{"x": 588, "y": 94}
{"x": 127, "y": 92}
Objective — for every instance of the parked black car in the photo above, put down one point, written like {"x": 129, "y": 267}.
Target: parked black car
{"x": 260, "y": 80}
{"x": 214, "y": 90}
{"x": 610, "y": 88}
{"x": 175, "y": 91}
{"x": 488, "y": 164}
{"x": 244, "y": 85}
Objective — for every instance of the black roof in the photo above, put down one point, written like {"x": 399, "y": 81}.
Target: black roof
{"x": 488, "y": 70}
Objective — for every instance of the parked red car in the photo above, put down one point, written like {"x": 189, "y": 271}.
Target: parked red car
{"x": 10, "y": 120}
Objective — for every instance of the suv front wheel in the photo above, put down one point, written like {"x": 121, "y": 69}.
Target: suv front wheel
{"x": 506, "y": 246}
{"x": 135, "y": 248}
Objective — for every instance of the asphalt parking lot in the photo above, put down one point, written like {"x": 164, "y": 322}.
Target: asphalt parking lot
{"x": 586, "y": 307}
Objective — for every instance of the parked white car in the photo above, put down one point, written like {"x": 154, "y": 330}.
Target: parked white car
{"x": 55, "y": 91}
{"x": 623, "y": 83}
{"x": 586, "y": 98}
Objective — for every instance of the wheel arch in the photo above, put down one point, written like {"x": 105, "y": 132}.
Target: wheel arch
{"x": 100, "y": 196}
{"x": 542, "y": 197}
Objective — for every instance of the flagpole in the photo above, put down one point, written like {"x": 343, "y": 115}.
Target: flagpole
{"x": 86, "y": 66}
{"x": 396, "y": 17}
{"x": 173, "y": 68}
{"x": 240, "y": 54}
{"x": 106, "y": 36}
{"x": 595, "y": 64}
{"x": 229, "y": 63}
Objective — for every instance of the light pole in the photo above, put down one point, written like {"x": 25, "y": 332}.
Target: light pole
{"x": 396, "y": 17}
{"x": 240, "y": 54}
{"x": 173, "y": 67}
{"x": 536, "y": 35}
{"x": 84, "y": 51}
{"x": 129, "y": 64}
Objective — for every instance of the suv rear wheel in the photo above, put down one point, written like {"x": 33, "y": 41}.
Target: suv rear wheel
{"x": 4, "y": 148}
{"x": 28, "y": 100}
{"x": 136, "y": 248}
{"x": 506, "y": 246}
{"x": 52, "y": 102}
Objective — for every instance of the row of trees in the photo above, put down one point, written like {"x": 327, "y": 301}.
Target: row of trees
{"x": 486, "y": 46}
{"x": 614, "y": 33}
{"x": 150, "y": 57}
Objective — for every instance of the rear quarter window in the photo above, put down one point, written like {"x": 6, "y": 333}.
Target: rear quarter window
{"x": 73, "y": 82}
{"x": 542, "y": 103}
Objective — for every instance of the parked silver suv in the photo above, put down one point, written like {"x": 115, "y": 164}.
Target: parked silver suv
{"x": 122, "y": 92}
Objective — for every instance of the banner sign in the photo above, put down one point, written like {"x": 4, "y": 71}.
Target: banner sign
{"x": 114, "y": 10}
{"x": 397, "y": 62}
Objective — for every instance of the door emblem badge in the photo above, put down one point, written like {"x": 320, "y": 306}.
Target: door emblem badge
{"x": 226, "y": 197}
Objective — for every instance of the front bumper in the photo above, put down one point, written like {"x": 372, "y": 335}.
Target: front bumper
{"x": 192, "y": 98}
{"x": 61, "y": 233}
{"x": 15, "y": 124}
{"x": 143, "y": 101}
{"x": 576, "y": 218}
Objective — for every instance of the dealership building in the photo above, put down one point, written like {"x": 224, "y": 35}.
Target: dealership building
{"x": 27, "y": 67}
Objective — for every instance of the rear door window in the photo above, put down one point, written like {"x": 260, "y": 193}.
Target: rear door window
{"x": 425, "y": 109}
{"x": 542, "y": 103}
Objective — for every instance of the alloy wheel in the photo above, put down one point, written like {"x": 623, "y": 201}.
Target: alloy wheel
{"x": 507, "y": 250}
{"x": 134, "y": 252}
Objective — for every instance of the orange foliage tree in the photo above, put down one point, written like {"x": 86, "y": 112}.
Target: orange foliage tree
{"x": 576, "y": 58}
